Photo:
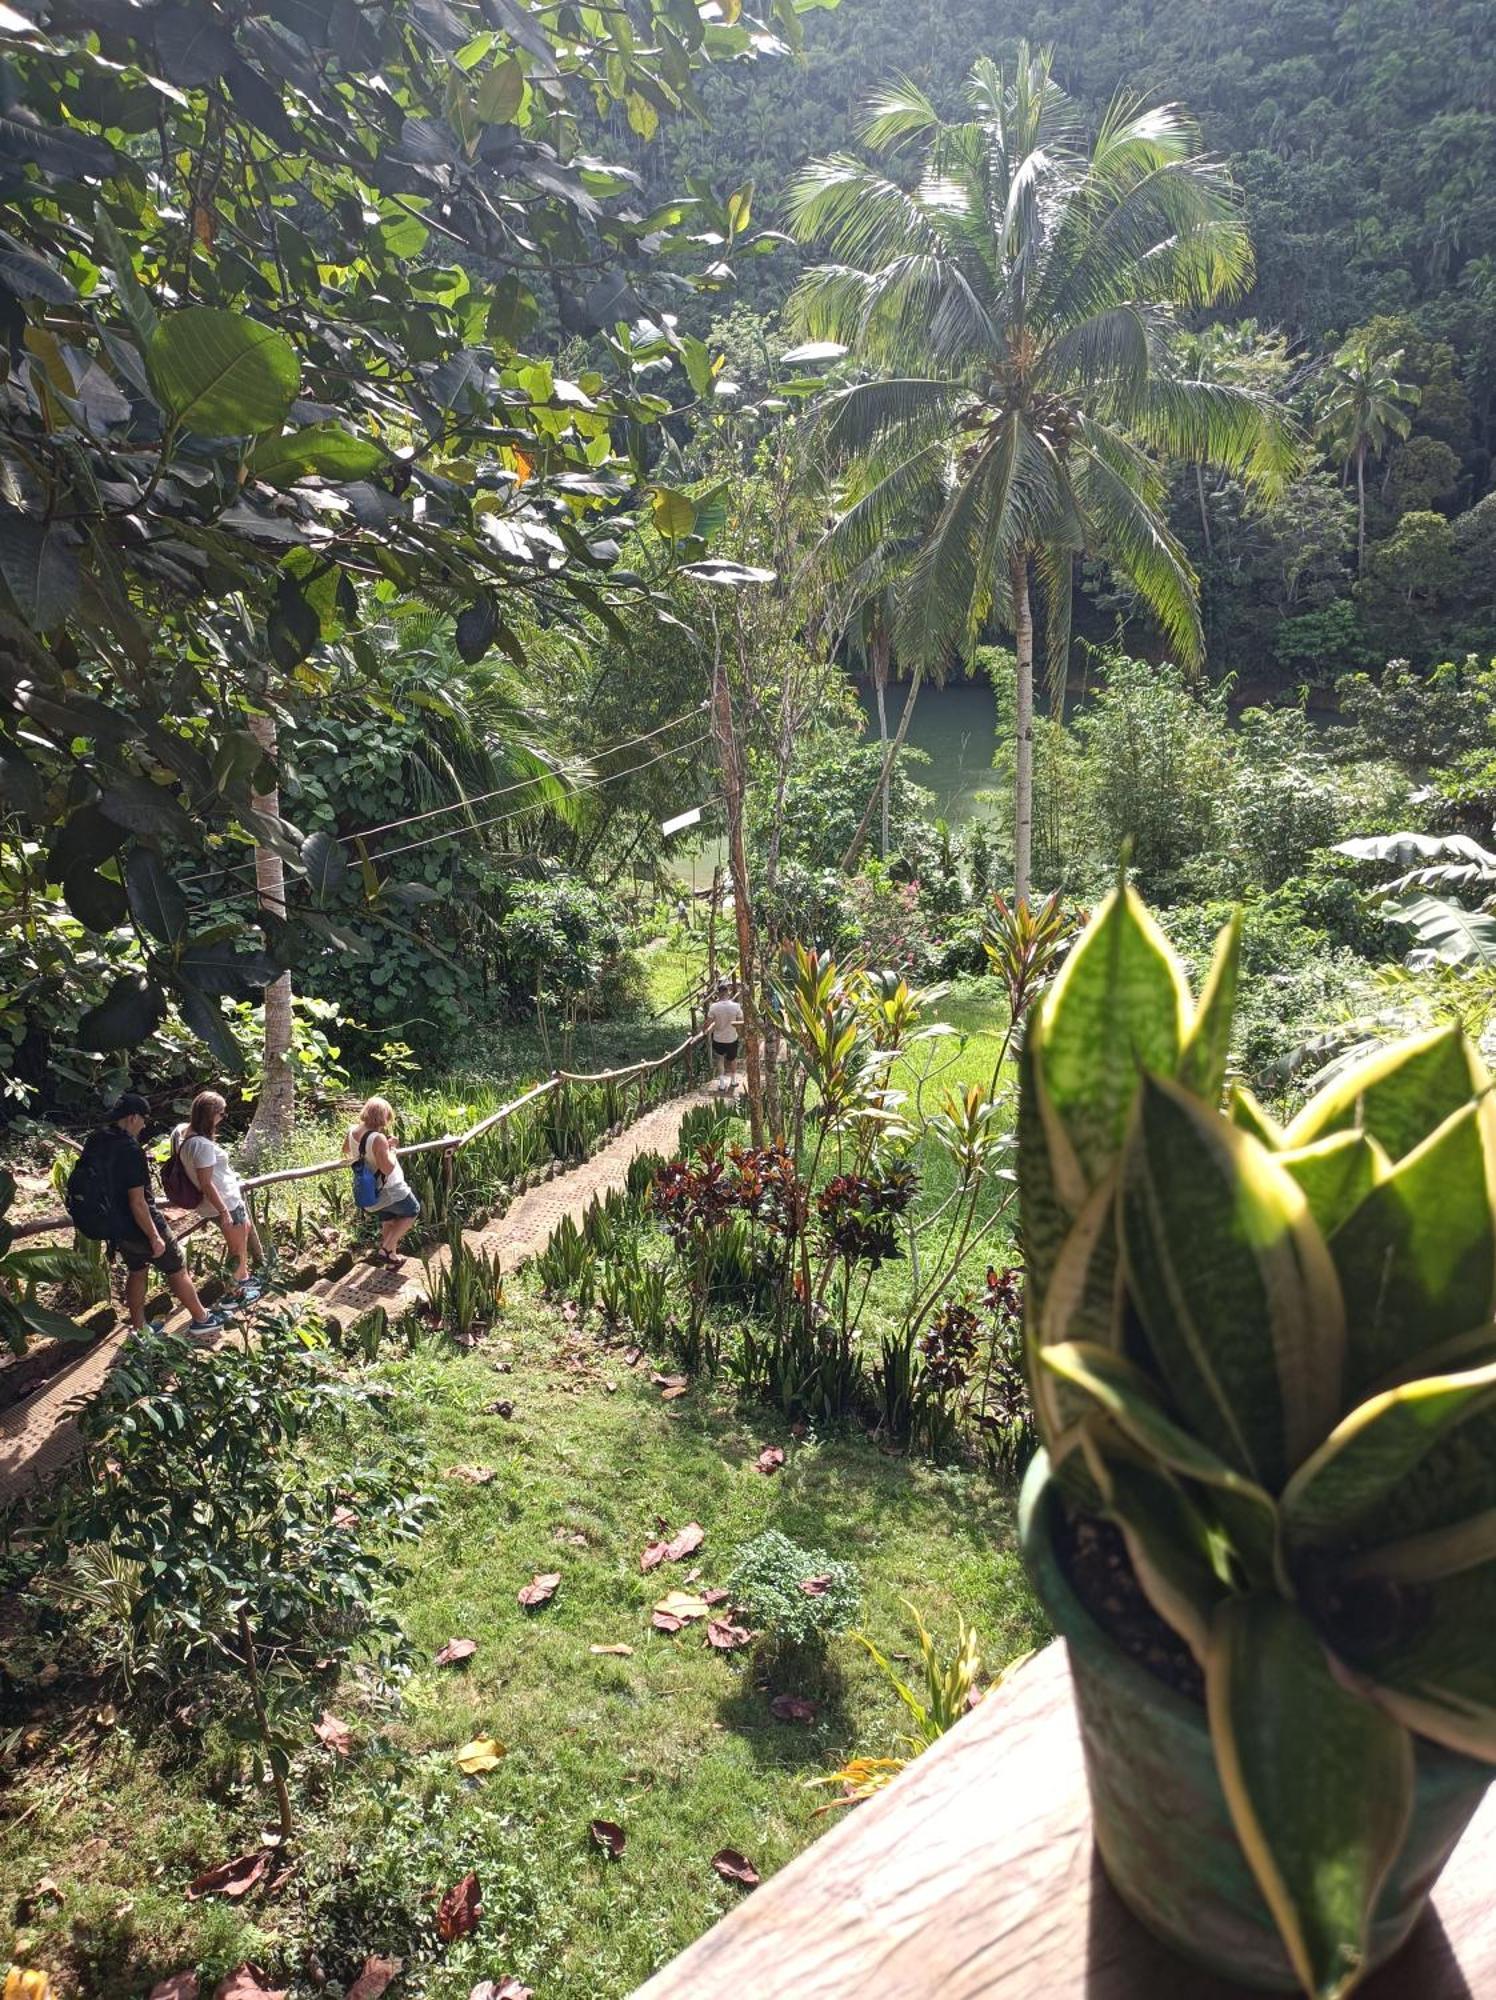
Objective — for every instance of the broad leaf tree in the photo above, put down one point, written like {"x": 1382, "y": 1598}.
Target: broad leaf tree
{"x": 279, "y": 285}
{"x": 1013, "y": 306}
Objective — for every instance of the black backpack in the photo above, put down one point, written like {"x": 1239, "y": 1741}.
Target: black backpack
{"x": 91, "y": 1198}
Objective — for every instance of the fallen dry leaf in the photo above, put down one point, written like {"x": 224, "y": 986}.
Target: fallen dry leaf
{"x": 654, "y": 1555}
{"x": 715, "y": 1596}
{"x": 180, "y": 1986}
{"x": 375, "y": 1977}
{"x": 482, "y": 1754}
{"x": 539, "y": 1590}
{"x": 473, "y": 1475}
{"x": 569, "y": 1310}
{"x": 793, "y": 1708}
{"x": 622, "y": 1652}
{"x": 670, "y": 1395}
{"x": 610, "y": 1837}
{"x": 508, "y": 1988}
{"x": 669, "y": 1381}
{"x": 666, "y": 1621}
{"x": 230, "y": 1878}
{"x": 735, "y": 1867}
{"x": 245, "y": 1984}
{"x": 726, "y": 1638}
{"x": 459, "y": 1910}
{"x": 344, "y": 1517}
{"x": 815, "y": 1586}
{"x": 455, "y": 1650}
{"x": 683, "y": 1604}
{"x": 771, "y": 1458}
{"x": 686, "y": 1543}
{"x": 335, "y": 1734}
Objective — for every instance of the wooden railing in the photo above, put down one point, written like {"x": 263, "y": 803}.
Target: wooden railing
{"x": 450, "y": 1142}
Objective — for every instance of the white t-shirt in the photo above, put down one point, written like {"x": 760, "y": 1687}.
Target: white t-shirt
{"x": 724, "y": 1018}
{"x": 196, "y": 1151}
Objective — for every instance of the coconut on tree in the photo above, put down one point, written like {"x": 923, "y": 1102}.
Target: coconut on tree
{"x": 1013, "y": 308}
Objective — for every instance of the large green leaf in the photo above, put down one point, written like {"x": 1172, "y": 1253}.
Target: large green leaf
{"x": 1436, "y": 1672}
{"x": 1366, "y": 1460}
{"x": 130, "y": 1012}
{"x": 1052, "y": 1188}
{"x": 39, "y": 565}
{"x": 325, "y": 864}
{"x": 1244, "y": 1111}
{"x": 1417, "y": 1259}
{"x": 1082, "y": 1302}
{"x": 221, "y": 373}
{"x": 1397, "y": 1095}
{"x": 158, "y": 904}
{"x": 204, "y": 1017}
{"x": 1119, "y": 1007}
{"x": 1202, "y": 1060}
{"x": 1336, "y": 1175}
{"x": 1111, "y": 1383}
{"x": 1233, "y": 1284}
{"x": 94, "y": 899}
{"x": 1447, "y": 933}
{"x": 1319, "y": 1782}
{"x": 324, "y": 449}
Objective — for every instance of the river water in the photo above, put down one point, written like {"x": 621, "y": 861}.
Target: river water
{"x": 956, "y": 725}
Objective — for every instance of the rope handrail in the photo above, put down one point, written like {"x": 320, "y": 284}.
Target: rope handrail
{"x": 449, "y": 1142}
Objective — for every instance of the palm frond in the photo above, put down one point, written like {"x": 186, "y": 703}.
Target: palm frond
{"x": 1126, "y": 525}
{"x": 901, "y": 409}
{"x": 863, "y": 216}
{"x": 899, "y": 111}
{"x": 1226, "y": 424}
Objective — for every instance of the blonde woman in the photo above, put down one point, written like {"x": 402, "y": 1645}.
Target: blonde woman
{"x": 379, "y": 1185}
{"x": 199, "y": 1164}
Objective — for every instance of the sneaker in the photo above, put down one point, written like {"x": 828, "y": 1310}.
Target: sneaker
{"x": 247, "y": 1293}
{"x": 213, "y": 1322}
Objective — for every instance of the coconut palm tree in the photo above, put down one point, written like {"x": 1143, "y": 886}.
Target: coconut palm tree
{"x": 1014, "y": 309}
{"x": 1364, "y": 408}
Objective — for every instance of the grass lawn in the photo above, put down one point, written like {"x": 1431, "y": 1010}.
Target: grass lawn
{"x": 675, "y": 1742}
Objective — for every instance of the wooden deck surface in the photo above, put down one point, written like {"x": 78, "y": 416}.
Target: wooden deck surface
{"x": 973, "y": 1877}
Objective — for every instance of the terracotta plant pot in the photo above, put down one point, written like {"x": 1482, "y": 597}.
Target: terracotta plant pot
{"x": 1162, "y": 1826}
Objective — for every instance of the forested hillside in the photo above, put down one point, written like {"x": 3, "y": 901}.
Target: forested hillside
{"x": 1364, "y": 138}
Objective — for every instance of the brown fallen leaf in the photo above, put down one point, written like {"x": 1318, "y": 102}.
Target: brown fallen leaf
{"x": 686, "y": 1543}
{"x": 793, "y": 1708}
{"x": 375, "y": 1977}
{"x": 735, "y": 1867}
{"x": 539, "y": 1590}
{"x": 230, "y": 1878}
{"x": 335, "y": 1734}
{"x": 245, "y": 1984}
{"x": 669, "y": 1381}
{"x": 344, "y": 1517}
{"x": 666, "y": 1621}
{"x": 473, "y": 1475}
{"x": 180, "y": 1986}
{"x": 726, "y": 1638}
{"x": 507, "y": 1988}
{"x": 670, "y": 1395}
{"x": 622, "y": 1652}
{"x": 455, "y": 1650}
{"x": 459, "y": 1910}
{"x": 771, "y": 1458}
{"x": 815, "y": 1586}
{"x": 569, "y": 1310}
{"x": 654, "y": 1555}
{"x": 610, "y": 1837}
{"x": 715, "y": 1596}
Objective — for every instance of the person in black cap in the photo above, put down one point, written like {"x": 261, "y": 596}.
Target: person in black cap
{"x": 115, "y": 1164}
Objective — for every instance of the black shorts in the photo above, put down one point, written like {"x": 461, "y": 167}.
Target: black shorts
{"x": 137, "y": 1253}
{"x": 726, "y": 1051}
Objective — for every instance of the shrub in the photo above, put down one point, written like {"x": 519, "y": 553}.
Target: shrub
{"x": 794, "y": 1596}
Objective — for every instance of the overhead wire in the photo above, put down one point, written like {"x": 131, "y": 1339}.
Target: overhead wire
{"x": 578, "y": 762}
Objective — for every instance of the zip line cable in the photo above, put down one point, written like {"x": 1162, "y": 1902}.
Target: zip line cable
{"x": 518, "y": 812}
{"x": 578, "y": 762}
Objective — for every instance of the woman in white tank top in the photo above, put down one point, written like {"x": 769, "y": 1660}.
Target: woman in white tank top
{"x": 395, "y": 1207}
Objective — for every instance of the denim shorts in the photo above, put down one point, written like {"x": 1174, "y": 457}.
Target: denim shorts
{"x": 398, "y": 1211}
{"x": 238, "y": 1216}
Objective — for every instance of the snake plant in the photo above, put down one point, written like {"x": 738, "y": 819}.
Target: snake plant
{"x": 1268, "y": 1355}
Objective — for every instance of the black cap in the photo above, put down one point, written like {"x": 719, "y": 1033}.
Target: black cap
{"x": 131, "y": 1105}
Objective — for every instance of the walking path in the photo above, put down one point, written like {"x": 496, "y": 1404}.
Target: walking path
{"x": 39, "y": 1435}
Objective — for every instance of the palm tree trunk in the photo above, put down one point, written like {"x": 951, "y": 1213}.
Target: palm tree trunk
{"x": 890, "y": 758}
{"x": 1204, "y": 510}
{"x": 1360, "y": 508}
{"x": 1023, "y": 778}
{"x": 271, "y": 1124}
{"x": 881, "y": 650}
